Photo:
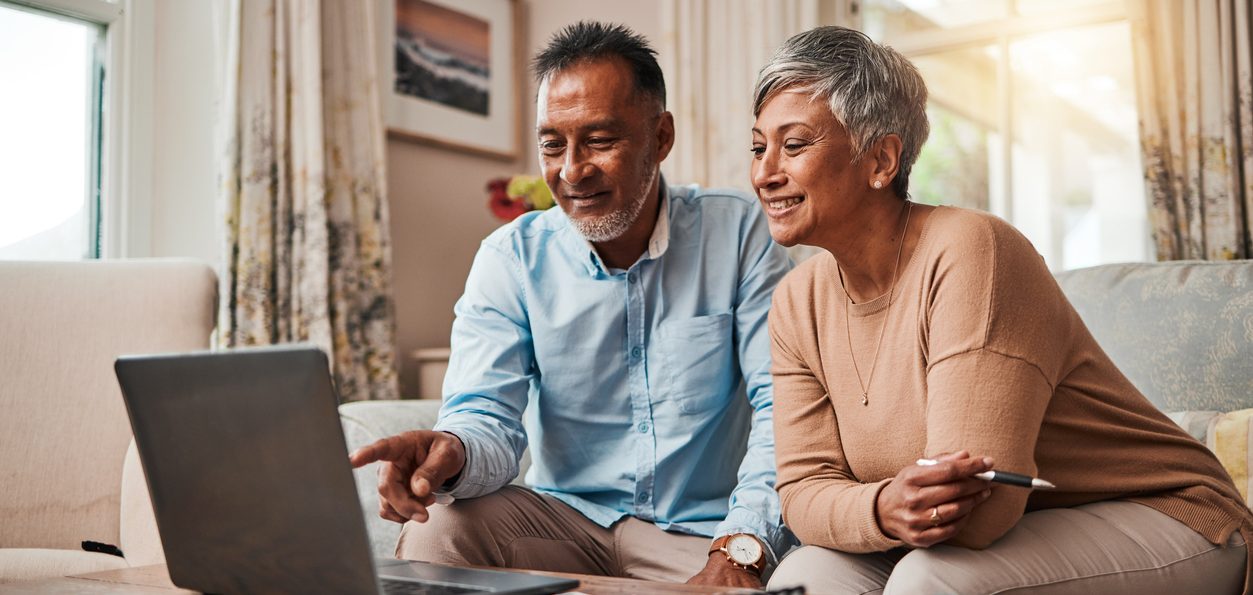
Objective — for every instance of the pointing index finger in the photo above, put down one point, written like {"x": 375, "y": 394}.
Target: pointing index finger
{"x": 385, "y": 449}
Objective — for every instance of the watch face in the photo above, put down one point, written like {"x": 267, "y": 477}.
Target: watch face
{"x": 744, "y": 549}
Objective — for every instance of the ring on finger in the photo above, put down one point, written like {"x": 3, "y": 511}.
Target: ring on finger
{"x": 936, "y": 519}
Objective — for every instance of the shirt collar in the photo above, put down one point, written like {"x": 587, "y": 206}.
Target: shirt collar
{"x": 660, "y": 240}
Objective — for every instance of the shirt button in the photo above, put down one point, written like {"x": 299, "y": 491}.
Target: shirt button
{"x": 630, "y": 277}
{"x": 643, "y": 427}
{"x": 635, "y": 352}
{"x": 643, "y": 498}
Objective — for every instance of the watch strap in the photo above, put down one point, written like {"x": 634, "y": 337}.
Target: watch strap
{"x": 719, "y": 544}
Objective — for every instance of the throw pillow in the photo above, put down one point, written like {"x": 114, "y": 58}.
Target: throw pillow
{"x": 1228, "y": 436}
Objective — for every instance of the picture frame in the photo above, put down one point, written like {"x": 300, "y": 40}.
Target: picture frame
{"x": 449, "y": 74}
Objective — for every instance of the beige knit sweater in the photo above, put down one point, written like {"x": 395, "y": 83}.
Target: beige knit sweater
{"x": 981, "y": 352}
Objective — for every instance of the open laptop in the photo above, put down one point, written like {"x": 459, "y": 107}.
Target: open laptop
{"x": 251, "y": 484}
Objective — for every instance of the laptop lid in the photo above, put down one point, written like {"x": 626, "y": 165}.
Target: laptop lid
{"x": 248, "y": 471}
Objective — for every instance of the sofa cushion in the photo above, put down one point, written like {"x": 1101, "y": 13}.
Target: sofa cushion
{"x": 1182, "y": 332}
{"x": 24, "y": 564}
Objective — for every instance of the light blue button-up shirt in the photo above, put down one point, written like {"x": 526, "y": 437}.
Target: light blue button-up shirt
{"x": 649, "y": 389}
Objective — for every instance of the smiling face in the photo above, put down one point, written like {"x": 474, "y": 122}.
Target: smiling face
{"x": 600, "y": 145}
{"x": 803, "y": 171}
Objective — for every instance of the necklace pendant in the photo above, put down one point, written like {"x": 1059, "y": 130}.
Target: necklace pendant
{"x": 865, "y": 400}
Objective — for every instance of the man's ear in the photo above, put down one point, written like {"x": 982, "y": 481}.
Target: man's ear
{"x": 665, "y": 135}
{"x": 884, "y": 159}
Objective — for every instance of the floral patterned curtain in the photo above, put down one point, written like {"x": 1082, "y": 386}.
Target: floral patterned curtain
{"x": 1194, "y": 77}
{"x": 308, "y": 252}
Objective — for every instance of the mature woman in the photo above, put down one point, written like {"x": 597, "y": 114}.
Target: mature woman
{"x": 937, "y": 335}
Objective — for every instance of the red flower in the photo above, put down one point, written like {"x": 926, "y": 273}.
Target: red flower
{"x": 501, "y": 205}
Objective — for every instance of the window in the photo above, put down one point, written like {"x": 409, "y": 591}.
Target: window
{"x": 1055, "y": 78}
{"x": 50, "y": 151}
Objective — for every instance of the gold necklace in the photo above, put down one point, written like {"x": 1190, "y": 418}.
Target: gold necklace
{"x": 848, "y": 304}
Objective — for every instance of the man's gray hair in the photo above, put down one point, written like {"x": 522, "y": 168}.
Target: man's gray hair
{"x": 872, "y": 89}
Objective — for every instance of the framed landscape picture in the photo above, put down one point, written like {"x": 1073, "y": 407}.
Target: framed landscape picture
{"x": 449, "y": 75}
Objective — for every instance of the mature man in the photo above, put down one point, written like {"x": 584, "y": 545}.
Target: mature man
{"x": 632, "y": 321}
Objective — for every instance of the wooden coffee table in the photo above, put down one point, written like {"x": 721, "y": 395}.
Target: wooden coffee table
{"x": 155, "y": 580}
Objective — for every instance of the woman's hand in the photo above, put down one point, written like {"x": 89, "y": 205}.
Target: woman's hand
{"x": 925, "y": 505}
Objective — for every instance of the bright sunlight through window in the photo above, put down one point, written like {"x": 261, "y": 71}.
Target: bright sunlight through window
{"x": 49, "y": 148}
{"x": 1056, "y": 77}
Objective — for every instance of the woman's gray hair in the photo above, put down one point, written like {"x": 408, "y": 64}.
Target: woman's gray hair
{"x": 872, "y": 90}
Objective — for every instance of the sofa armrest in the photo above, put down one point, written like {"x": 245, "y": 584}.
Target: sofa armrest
{"x": 140, "y": 540}
{"x": 367, "y": 421}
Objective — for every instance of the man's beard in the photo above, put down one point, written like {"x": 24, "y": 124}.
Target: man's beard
{"x": 612, "y": 226}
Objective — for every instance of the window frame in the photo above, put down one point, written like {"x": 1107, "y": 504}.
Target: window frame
{"x": 121, "y": 213}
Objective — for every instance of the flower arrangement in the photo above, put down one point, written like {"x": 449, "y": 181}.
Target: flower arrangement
{"x": 509, "y": 198}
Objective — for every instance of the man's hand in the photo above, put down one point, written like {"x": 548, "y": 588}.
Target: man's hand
{"x": 720, "y": 571}
{"x": 925, "y": 505}
{"x": 414, "y": 464}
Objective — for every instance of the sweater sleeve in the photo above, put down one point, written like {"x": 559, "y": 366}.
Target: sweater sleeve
{"x": 989, "y": 404}
{"x": 996, "y": 335}
{"x": 823, "y": 503}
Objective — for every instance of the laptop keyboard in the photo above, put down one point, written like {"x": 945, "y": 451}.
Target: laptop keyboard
{"x": 394, "y": 587}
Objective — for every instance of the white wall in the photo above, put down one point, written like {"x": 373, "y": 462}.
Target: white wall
{"x": 185, "y": 219}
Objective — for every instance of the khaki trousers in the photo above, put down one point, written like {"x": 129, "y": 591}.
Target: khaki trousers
{"x": 1113, "y": 547}
{"x": 518, "y": 528}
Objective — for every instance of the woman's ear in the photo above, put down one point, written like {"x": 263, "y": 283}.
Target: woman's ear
{"x": 884, "y": 159}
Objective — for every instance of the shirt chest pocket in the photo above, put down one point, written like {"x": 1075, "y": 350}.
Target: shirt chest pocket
{"x": 697, "y": 361}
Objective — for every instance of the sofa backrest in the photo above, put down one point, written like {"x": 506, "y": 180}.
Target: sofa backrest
{"x": 63, "y": 426}
{"x": 1182, "y": 332}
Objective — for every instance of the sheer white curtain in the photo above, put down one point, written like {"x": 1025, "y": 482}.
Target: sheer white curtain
{"x": 711, "y": 51}
{"x": 308, "y": 251}
{"x": 1194, "y": 78}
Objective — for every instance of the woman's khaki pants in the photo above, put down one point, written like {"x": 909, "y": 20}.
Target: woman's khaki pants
{"x": 1113, "y": 547}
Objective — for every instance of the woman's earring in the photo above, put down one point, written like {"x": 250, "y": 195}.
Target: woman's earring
{"x": 877, "y": 184}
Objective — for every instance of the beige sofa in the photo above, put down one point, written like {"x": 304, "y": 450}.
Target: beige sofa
{"x": 1182, "y": 332}
{"x": 66, "y": 472}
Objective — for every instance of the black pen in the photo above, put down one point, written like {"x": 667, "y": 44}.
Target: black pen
{"x": 1005, "y": 477}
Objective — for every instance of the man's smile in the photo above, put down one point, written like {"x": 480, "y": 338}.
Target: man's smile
{"x": 585, "y": 198}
